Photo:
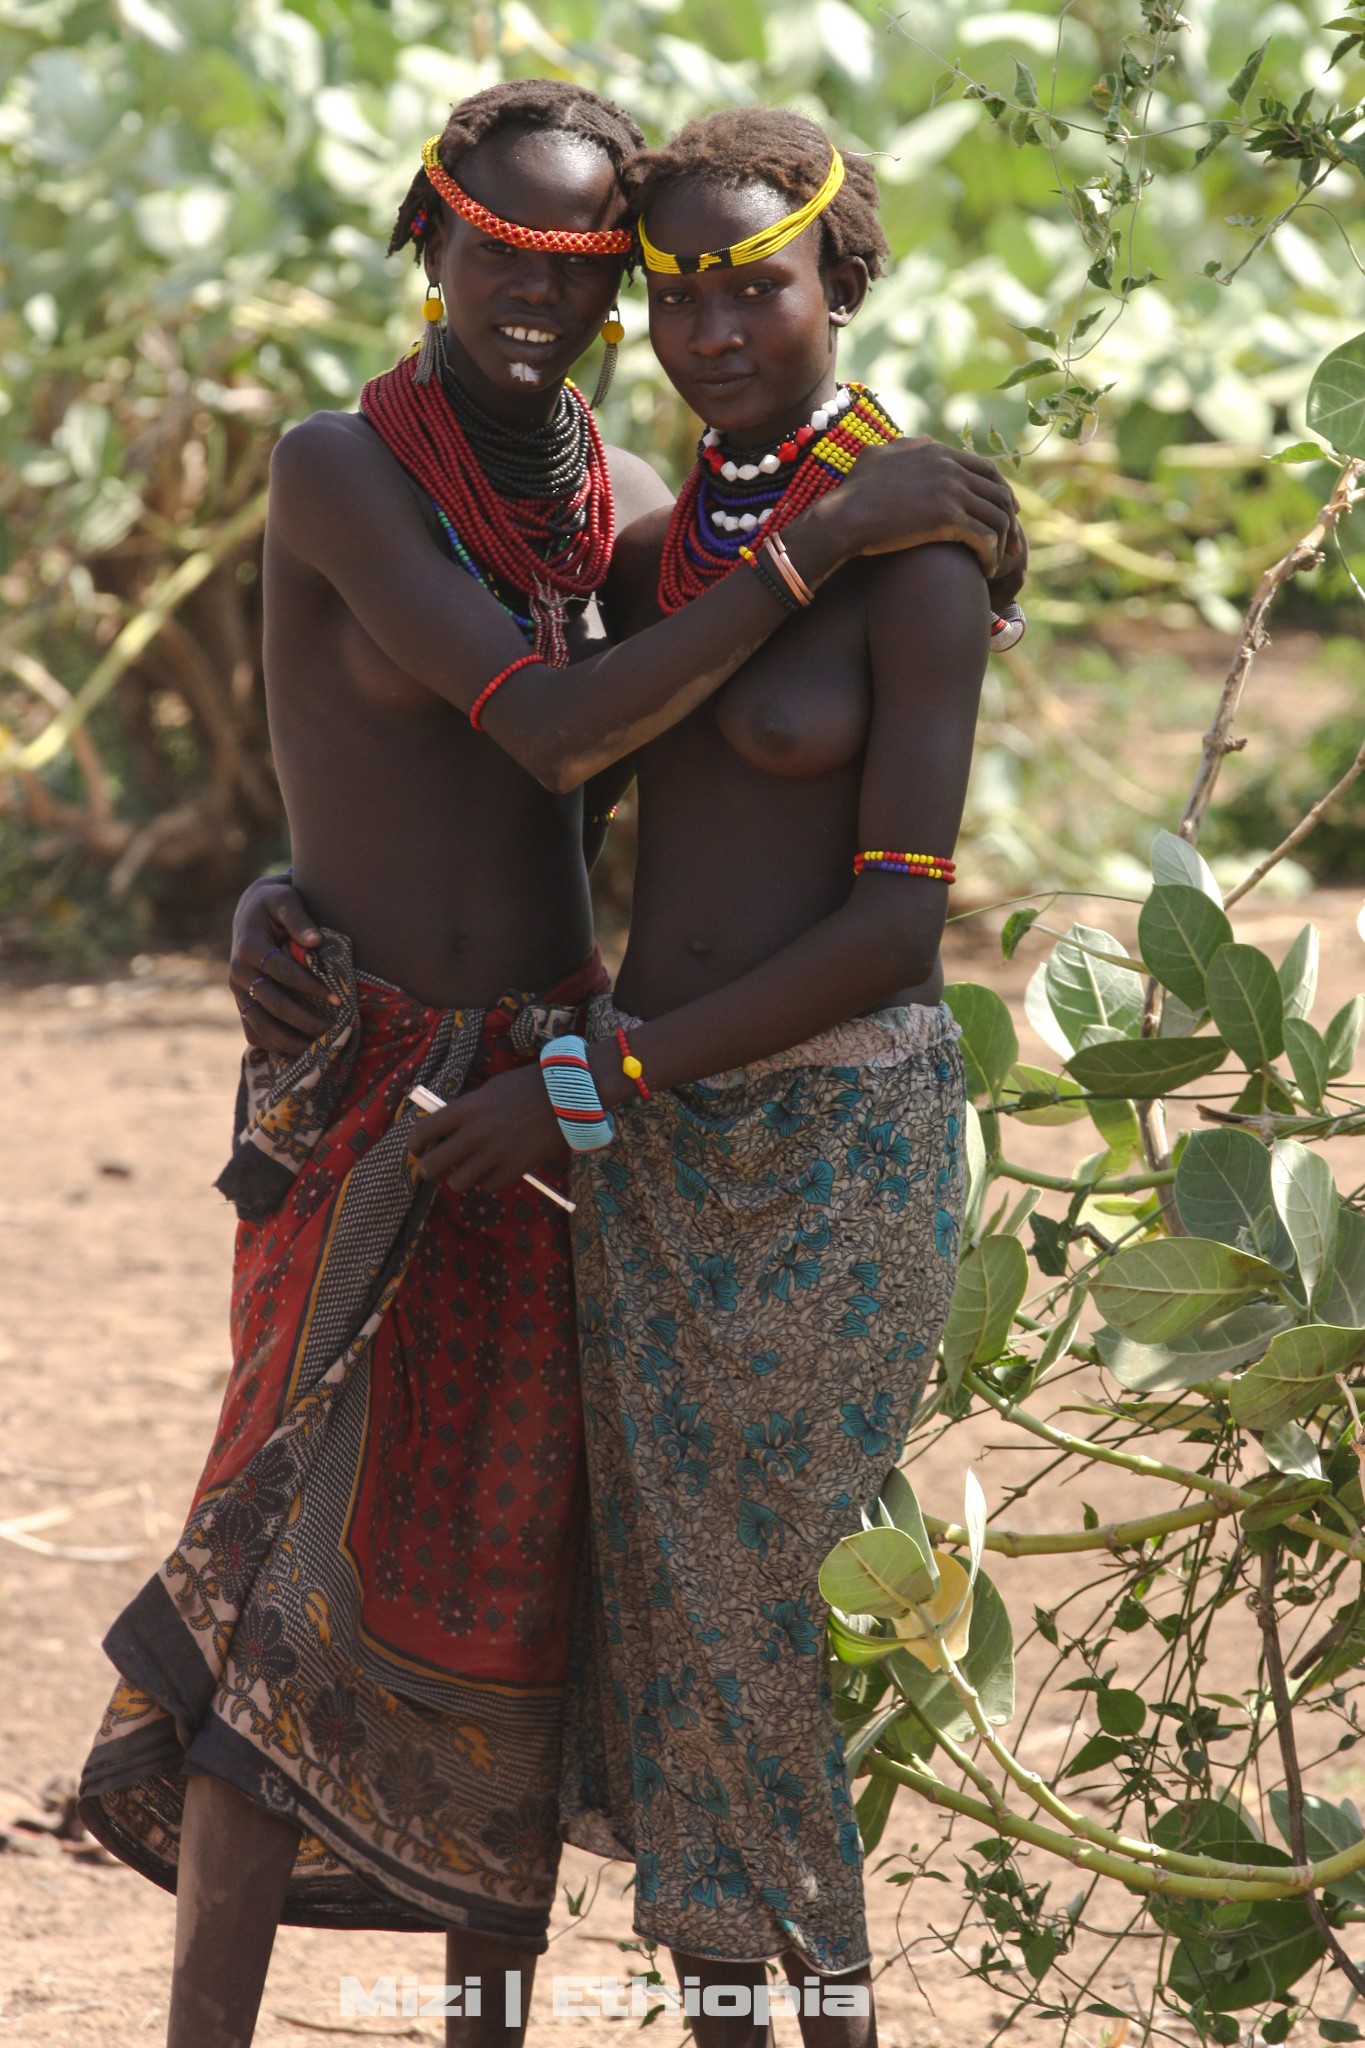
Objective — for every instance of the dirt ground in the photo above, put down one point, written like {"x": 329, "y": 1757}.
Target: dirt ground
{"x": 115, "y": 1253}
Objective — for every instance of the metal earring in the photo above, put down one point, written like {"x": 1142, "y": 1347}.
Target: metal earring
{"x": 431, "y": 356}
{"x": 613, "y": 334}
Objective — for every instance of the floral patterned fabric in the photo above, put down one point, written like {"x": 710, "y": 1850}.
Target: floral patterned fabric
{"x": 764, "y": 1262}
{"x": 364, "y": 1626}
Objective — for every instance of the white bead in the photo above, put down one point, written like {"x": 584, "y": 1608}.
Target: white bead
{"x": 770, "y": 465}
{"x": 710, "y": 438}
{"x": 729, "y": 472}
{"x": 747, "y": 472}
{"x": 766, "y": 513}
{"x": 819, "y": 420}
{"x": 747, "y": 522}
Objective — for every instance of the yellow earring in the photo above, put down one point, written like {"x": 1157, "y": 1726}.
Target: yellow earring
{"x": 431, "y": 356}
{"x": 613, "y": 334}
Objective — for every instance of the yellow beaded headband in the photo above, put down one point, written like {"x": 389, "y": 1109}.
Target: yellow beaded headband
{"x": 754, "y": 248}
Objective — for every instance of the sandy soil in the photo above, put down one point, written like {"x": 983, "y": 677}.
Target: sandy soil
{"x": 113, "y": 1353}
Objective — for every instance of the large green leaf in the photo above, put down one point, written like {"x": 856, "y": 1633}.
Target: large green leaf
{"x": 902, "y": 1509}
{"x": 1083, "y": 990}
{"x": 859, "y": 1646}
{"x": 1174, "y": 860}
{"x": 1265, "y": 1951}
{"x": 1041, "y": 1015}
{"x": 1308, "y": 1057}
{"x": 1275, "y": 1945}
{"x": 990, "y": 1287}
{"x": 989, "y": 1043}
{"x": 1342, "y": 1036}
{"x": 1244, "y": 995}
{"x": 1343, "y": 1298}
{"x": 1179, "y": 931}
{"x": 1159, "y": 1290}
{"x": 1307, "y": 1200}
{"x": 1024, "y": 1081}
{"x": 1298, "y": 972}
{"x": 881, "y": 1572}
{"x": 1222, "y": 1190}
{"x": 1297, "y": 1375}
{"x": 1199, "y": 1355}
{"x": 1327, "y": 1830}
{"x": 1143, "y": 1067}
{"x": 988, "y": 1664}
{"x": 873, "y": 1809}
{"x": 1336, "y": 398}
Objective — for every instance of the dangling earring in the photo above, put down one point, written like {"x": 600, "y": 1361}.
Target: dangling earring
{"x": 613, "y": 334}
{"x": 431, "y": 356}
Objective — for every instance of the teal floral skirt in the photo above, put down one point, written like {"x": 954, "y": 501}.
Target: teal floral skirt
{"x": 764, "y": 1262}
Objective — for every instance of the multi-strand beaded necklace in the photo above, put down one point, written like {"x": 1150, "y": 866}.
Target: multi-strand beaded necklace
{"x": 729, "y": 499}
{"x": 528, "y": 514}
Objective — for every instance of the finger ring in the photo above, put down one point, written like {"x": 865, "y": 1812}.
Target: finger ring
{"x": 270, "y": 956}
{"x": 242, "y": 1008}
{"x": 260, "y": 977}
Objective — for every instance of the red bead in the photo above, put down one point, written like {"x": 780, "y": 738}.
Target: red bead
{"x": 804, "y": 434}
{"x": 788, "y": 452}
{"x": 715, "y": 458}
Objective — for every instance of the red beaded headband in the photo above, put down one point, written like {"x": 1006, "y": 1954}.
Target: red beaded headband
{"x": 553, "y": 241}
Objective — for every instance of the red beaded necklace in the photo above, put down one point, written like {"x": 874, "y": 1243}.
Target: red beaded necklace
{"x": 509, "y": 537}
{"x": 692, "y": 560}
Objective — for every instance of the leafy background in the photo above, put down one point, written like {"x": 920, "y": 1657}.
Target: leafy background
{"x": 194, "y": 201}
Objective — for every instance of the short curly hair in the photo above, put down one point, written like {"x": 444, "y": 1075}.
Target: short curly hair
{"x": 770, "y": 146}
{"x": 516, "y": 103}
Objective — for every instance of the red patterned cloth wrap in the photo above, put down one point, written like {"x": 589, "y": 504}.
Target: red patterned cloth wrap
{"x": 365, "y": 1624}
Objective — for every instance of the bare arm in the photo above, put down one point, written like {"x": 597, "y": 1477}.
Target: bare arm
{"x": 884, "y": 938}
{"x": 341, "y": 507}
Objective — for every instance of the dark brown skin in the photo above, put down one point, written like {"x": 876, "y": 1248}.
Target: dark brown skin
{"x": 456, "y": 864}
{"x": 851, "y": 728}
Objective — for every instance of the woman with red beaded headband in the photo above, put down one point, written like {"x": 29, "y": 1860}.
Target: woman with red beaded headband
{"x": 768, "y": 1245}
{"x": 342, "y": 1695}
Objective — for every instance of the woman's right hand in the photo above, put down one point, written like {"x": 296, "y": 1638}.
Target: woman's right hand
{"x": 907, "y": 493}
{"x": 283, "y": 1006}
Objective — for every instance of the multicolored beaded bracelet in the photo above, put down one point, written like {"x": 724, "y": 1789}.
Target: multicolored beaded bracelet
{"x": 592, "y": 819}
{"x": 929, "y": 867}
{"x": 630, "y": 1065}
{"x": 476, "y": 708}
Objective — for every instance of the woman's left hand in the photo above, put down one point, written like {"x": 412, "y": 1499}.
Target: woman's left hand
{"x": 491, "y": 1136}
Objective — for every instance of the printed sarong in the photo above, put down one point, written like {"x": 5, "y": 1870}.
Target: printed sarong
{"x": 763, "y": 1263}
{"x": 364, "y": 1626}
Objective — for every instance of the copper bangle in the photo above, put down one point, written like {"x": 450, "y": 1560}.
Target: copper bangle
{"x": 775, "y": 549}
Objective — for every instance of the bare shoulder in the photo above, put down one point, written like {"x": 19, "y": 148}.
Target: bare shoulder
{"x": 325, "y": 450}
{"x": 636, "y": 487}
{"x": 943, "y": 575}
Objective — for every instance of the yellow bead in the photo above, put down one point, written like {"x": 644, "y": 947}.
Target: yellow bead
{"x": 631, "y": 1067}
{"x": 432, "y": 309}
{"x": 613, "y": 333}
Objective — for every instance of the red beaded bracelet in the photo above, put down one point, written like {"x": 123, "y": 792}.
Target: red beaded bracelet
{"x": 630, "y": 1065}
{"x": 476, "y": 708}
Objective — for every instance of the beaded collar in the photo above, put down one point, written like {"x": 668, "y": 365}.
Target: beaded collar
{"x": 698, "y": 550}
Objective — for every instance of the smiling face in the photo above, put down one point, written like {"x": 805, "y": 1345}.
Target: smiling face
{"x": 518, "y": 319}
{"x": 751, "y": 349}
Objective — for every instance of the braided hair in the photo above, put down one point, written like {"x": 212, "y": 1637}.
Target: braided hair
{"x": 742, "y": 146}
{"x": 516, "y": 103}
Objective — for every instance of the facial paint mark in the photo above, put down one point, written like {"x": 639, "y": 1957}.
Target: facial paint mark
{"x": 525, "y": 374}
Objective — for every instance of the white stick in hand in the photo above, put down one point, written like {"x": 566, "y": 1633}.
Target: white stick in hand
{"x": 426, "y": 1099}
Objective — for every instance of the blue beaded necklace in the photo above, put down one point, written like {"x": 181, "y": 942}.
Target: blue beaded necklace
{"x": 466, "y": 561}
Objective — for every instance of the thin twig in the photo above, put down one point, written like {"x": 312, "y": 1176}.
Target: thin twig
{"x": 1300, "y": 832}
{"x": 1289, "y": 1758}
